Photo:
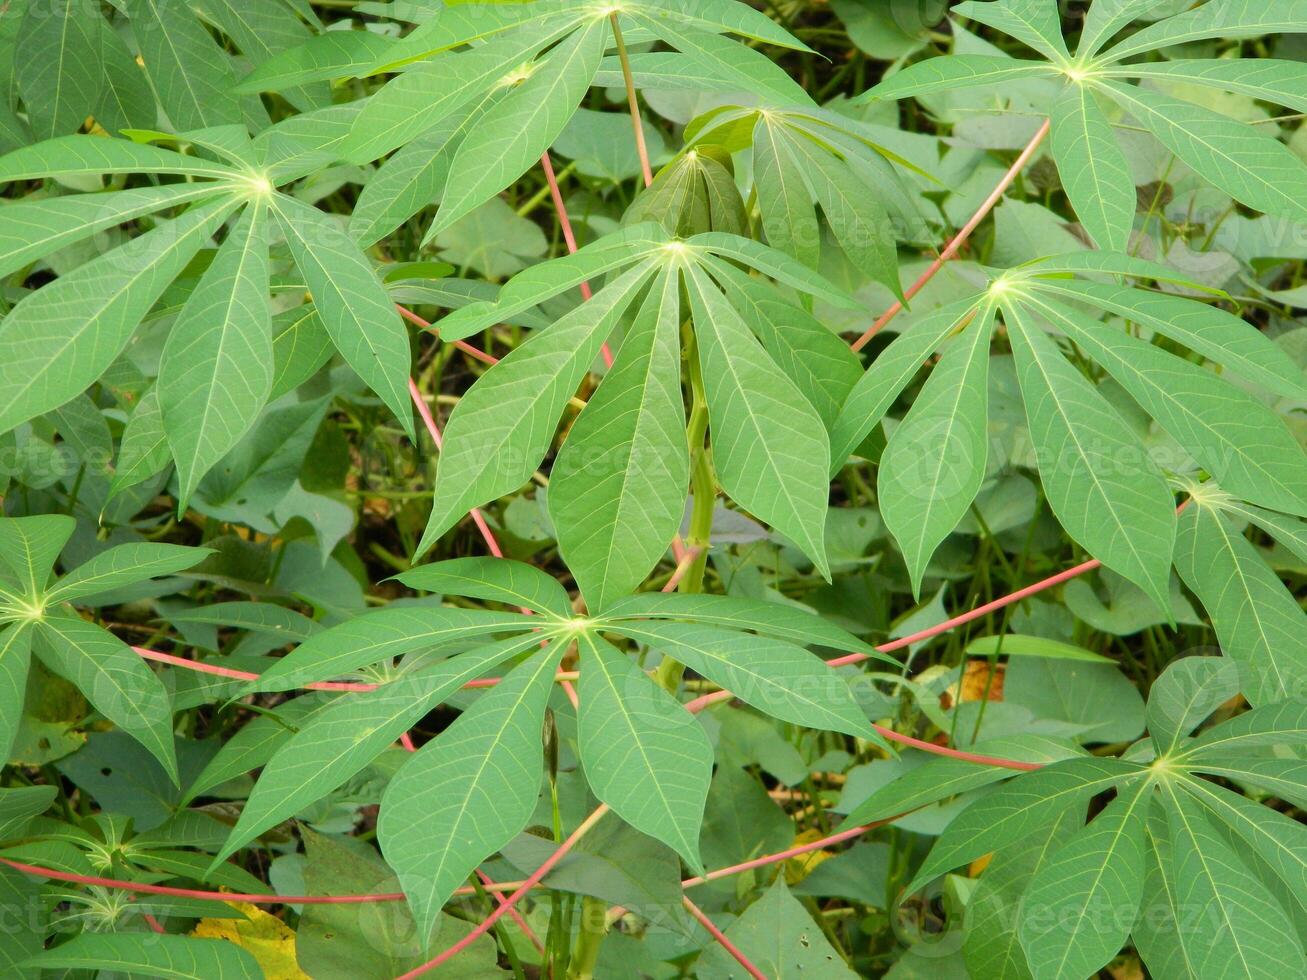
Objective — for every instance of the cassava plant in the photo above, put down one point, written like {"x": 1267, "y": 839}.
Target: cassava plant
{"x": 653, "y": 488}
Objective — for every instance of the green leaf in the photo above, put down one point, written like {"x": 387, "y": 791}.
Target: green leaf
{"x": 15, "y": 657}
{"x": 859, "y": 221}
{"x": 1225, "y": 19}
{"x": 512, "y": 134}
{"x": 783, "y": 197}
{"x": 538, "y": 283}
{"x": 1269, "y": 79}
{"x": 991, "y": 946}
{"x": 33, "y": 229}
{"x": 726, "y": 16}
{"x": 1188, "y": 691}
{"x": 469, "y": 791}
{"x": 143, "y": 448}
{"x": 767, "y": 439}
{"x": 1258, "y": 623}
{"x": 113, "y": 678}
{"x": 777, "y": 265}
{"x": 342, "y": 738}
{"x": 93, "y": 156}
{"x": 777, "y": 619}
{"x": 935, "y": 461}
{"x": 643, "y": 753}
{"x": 1102, "y": 486}
{"x": 419, "y": 98}
{"x": 414, "y": 177}
{"x": 353, "y": 305}
{"x": 1279, "y": 841}
{"x": 191, "y": 74}
{"x": 777, "y": 677}
{"x": 742, "y": 67}
{"x": 503, "y": 426}
{"x": 146, "y": 954}
{"x": 891, "y": 372}
{"x": 216, "y": 369}
{"x": 1104, "y": 19}
{"x": 1254, "y": 169}
{"x": 1018, "y": 809}
{"x": 1055, "y": 267}
{"x": 1093, "y": 168}
{"x": 1221, "y": 337}
{"x": 59, "y": 340}
{"x": 29, "y": 547}
{"x": 26, "y": 937}
{"x": 335, "y": 54}
{"x": 1018, "y": 645}
{"x": 778, "y": 936}
{"x": 494, "y": 579}
{"x": 951, "y": 73}
{"x": 300, "y": 346}
{"x": 1283, "y": 778}
{"x": 941, "y": 778}
{"x": 59, "y": 72}
{"x": 124, "y": 564}
{"x": 1289, "y": 531}
{"x": 1159, "y": 936}
{"x": 376, "y": 636}
{"x": 1237, "y": 438}
{"x": 818, "y": 362}
{"x": 1249, "y": 934}
{"x": 262, "y": 31}
{"x": 1278, "y": 723}
{"x": 617, "y": 488}
{"x": 1061, "y": 923}
{"x": 1036, "y": 23}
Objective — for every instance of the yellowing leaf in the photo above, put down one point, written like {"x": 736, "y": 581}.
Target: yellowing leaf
{"x": 265, "y": 937}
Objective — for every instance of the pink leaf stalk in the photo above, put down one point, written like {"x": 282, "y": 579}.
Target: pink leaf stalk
{"x": 958, "y": 240}
{"x": 722, "y": 941}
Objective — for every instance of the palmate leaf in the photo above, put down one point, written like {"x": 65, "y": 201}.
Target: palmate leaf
{"x": 190, "y": 72}
{"x": 1102, "y": 484}
{"x": 532, "y": 68}
{"x": 58, "y": 74}
{"x": 765, "y": 433}
{"x": 218, "y": 367}
{"x": 29, "y": 547}
{"x": 1219, "y": 876}
{"x": 1251, "y": 166}
{"x": 467, "y": 793}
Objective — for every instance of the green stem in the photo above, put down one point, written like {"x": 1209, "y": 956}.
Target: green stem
{"x": 589, "y": 937}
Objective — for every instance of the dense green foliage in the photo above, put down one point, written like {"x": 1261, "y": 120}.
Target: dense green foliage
{"x": 607, "y": 445}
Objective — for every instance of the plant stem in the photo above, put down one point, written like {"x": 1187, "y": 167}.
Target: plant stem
{"x": 589, "y": 937}
{"x": 636, "y": 124}
{"x": 958, "y": 240}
